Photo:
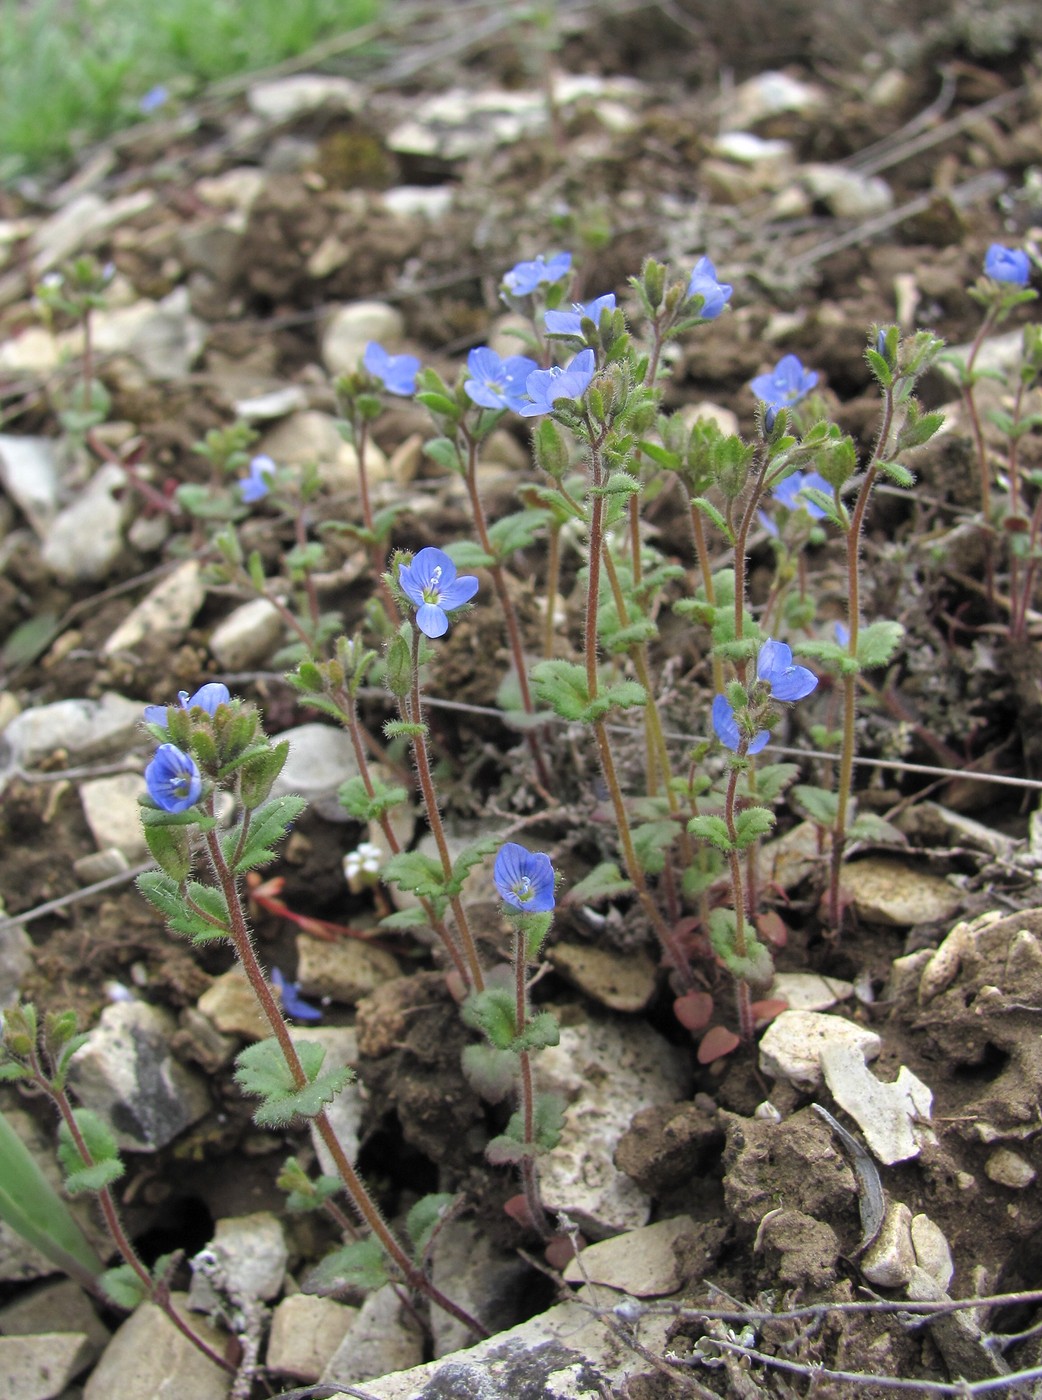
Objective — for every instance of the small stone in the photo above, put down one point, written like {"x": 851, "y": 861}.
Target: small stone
{"x": 229, "y": 1003}
{"x": 486, "y": 1282}
{"x": 320, "y": 760}
{"x": 84, "y": 540}
{"x": 383, "y": 1339}
{"x": 350, "y": 329}
{"x": 15, "y": 959}
{"x": 305, "y": 1333}
{"x": 345, "y": 971}
{"x": 890, "y": 1259}
{"x": 605, "y": 1071}
{"x": 619, "y": 981}
{"x": 247, "y": 636}
{"x": 84, "y": 729}
{"x": 126, "y": 1073}
{"x": 283, "y": 99}
{"x": 82, "y": 224}
{"x": 645, "y": 1263}
{"x": 423, "y": 201}
{"x": 887, "y": 1114}
{"x": 887, "y": 891}
{"x": 149, "y": 1359}
{"x": 847, "y": 193}
{"x": 792, "y": 1045}
{"x": 277, "y": 404}
{"x": 167, "y": 612}
{"x": 236, "y": 188}
{"x": 1007, "y": 1168}
{"x": 100, "y": 865}
{"x": 200, "y": 1040}
{"x": 251, "y": 1256}
{"x": 56, "y": 1307}
{"x": 30, "y": 474}
{"x": 163, "y": 337}
{"x": 932, "y": 1252}
{"x": 39, "y": 1367}
{"x": 311, "y": 437}
{"x": 768, "y": 95}
{"x": 114, "y": 814}
{"x": 807, "y": 991}
{"x": 807, "y": 1248}
{"x": 791, "y": 858}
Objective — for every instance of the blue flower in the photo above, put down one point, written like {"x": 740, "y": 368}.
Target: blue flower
{"x": 397, "y": 373}
{"x": 570, "y": 322}
{"x": 524, "y": 277}
{"x": 1004, "y": 264}
{"x": 207, "y": 698}
{"x": 497, "y": 383}
{"x": 293, "y": 1004}
{"x": 545, "y": 386}
{"x": 787, "y": 383}
{"x": 774, "y": 666}
{"x": 430, "y": 582}
{"x": 725, "y": 726}
{"x": 842, "y": 632}
{"x": 153, "y": 99}
{"x": 257, "y": 485}
{"x": 524, "y": 879}
{"x": 715, "y": 295}
{"x": 173, "y": 780}
{"x": 789, "y": 492}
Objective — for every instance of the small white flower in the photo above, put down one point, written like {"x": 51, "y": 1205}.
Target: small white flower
{"x": 363, "y": 862}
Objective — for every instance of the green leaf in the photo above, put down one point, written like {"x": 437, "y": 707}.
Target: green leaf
{"x": 267, "y": 828}
{"x": 304, "y": 1193}
{"x": 535, "y": 928}
{"x": 445, "y": 454}
{"x": 605, "y": 881}
{"x": 869, "y": 826}
{"x": 123, "y": 1287}
{"x": 421, "y": 875}
{"x": 101, "y": 1167}
{"x": 623, "y": 695}
{"x": 711, "y": 513}
{"x": 491, "y": 1073}
{"x": 166, "y": 895}
{"x": 712, "y": 829}
{"x": 751, "y": 824}
{"x": 541, "y": 1031}
{"x": 651, "y": 841}
{"x": 898, "y": 474}
{"x": 773, "y": 778}
{"x": 756, "y": 966}
{"x": 424, "y": 1218}
{"x": 438, "y": 403}
{"x": 517, "y": 531}
{"x": 258, "y": 775}
{"x": 562, "y": 686}
{"x": 31, "y": 1206}
{"x": 876, "y": 644}
{"x": 170, "y": 849}
{"x": 404, "y": 729}
{"x": 820, "y": 804}
{"x": 493, "y": 1012}
{"x": 261, "y": 1069}
{"x": 359, "y": 1265}
{"x": 356, "y": 801}
{"x": 405, "y": 920}
{"x": 468, "y": 554}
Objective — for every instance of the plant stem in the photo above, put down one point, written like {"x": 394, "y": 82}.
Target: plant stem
{"x": 354, "y": 729}
{"x": 529, "y": 1174}
{"x": 475, "y": 978}
{"x": 846, "y": 761}
{"x": 363, "y": 1203}
{"x": 746, "y": 1024}
{"x": 375, "y": 557}
{"x": 553, "y": 576}
{"x": 120, "y": 1238}
{"x": 702, "y": 554}
{"x": 499, "y": 583}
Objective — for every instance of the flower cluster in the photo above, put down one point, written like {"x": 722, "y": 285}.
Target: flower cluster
{"x": 783, "y": 681}
{"x": 430, "y": 583}
{"x": 207, "y": 698}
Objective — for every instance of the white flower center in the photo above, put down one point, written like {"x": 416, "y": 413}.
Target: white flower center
{"x": 523, "y": 888}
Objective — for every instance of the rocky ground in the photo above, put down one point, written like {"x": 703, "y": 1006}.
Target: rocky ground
{"x": 842, "y": 167}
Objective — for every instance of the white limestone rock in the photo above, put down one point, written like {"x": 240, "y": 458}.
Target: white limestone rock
{"x": 168, "y": 611}
{"x": 149, "y": 1359}
{"x": 247, "y": 636}
{"x": 791, "y": 1047}
{"x": 350, "y": 328}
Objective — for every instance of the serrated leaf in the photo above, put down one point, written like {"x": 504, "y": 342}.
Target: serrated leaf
{"x": 541, "y": 1031}
{"x": 122, "y": 1286}
{"x": 773, "y": 778}
{"x": 868, "y": 826}
{"x": 359, "y": 1265}
{"x": 425, "y": 1217}
{"x": 651, "y": 841}
{"x": 751, "y": 824}
{"x": 605, "y": 881}
{"x": 711, "y": 829}
{"x": 623, "y": 695}
{"x": 820, "y": 804}
{"x": 876, "y": 644}
{"x": 470, "y": 856}
{"x": 268, "y": 826}
{"x": 170, "y": 849}
{"x": 356, "y": 801}
{"x": 493, "y": 1012}
{"x": 101, "y": 1167}
{"x": 261, "y": 1069}
{"x": 420, "y": 874}
{"x": 491, "y": 1073}
{"x": 517, "y": 531}
{"x": 562, "y": 686}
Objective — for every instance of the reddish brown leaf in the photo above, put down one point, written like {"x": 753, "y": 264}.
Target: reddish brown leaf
{"x": 765, "y": 1011}
{"x": 693, "y": 1011}
{"x": 717, "y": 1042}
